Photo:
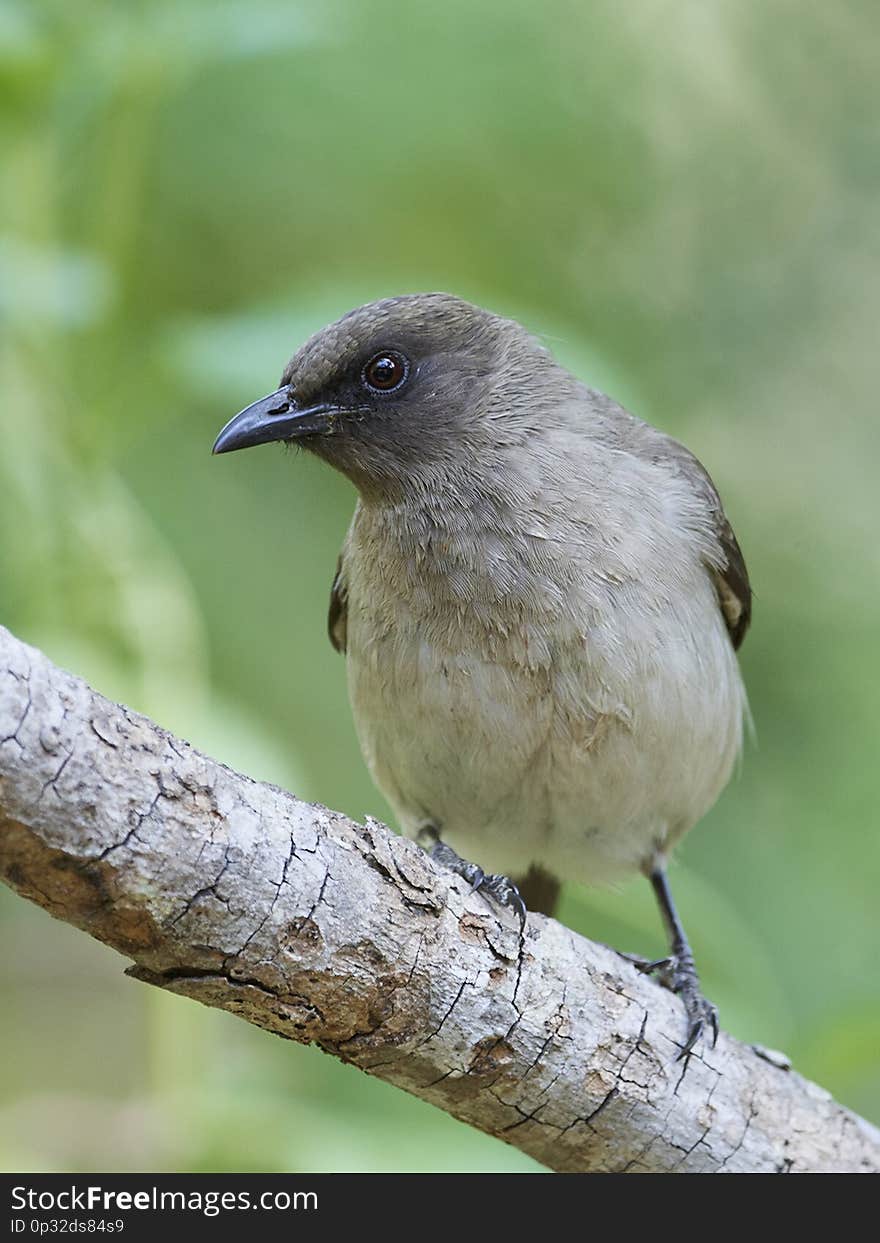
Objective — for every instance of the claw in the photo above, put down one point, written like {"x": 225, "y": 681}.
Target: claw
{"x": 708, "y": 1019}
{"x": 520, "y": 910}
{"x": 648, "y": 966}
{"x": 694, "y": 1034}
{"x": 702, "y": 1015}
{"x": 498, "y": 888}
{"x": 477, "y": 878}
{"x": 679, "y": 975}
{"x": 505, "y": 893}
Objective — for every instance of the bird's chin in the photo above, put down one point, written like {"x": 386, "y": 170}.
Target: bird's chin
{"x": 331, "y": 446}
{"x": 374, "y": 478}
{"x": 309, "y": 433}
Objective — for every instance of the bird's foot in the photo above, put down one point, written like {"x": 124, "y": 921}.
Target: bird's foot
{"x": 504, "y": 892}
{"x": 679, "y": 975}
{"x": 499, "y": 889}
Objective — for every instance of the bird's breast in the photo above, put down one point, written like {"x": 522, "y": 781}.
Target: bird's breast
{"x": 546, "y": 719}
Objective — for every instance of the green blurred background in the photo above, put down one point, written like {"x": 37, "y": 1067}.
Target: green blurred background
{"x": 683, "y": 199}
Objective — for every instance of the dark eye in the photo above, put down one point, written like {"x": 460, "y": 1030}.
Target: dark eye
{"x": 386, "y": 371}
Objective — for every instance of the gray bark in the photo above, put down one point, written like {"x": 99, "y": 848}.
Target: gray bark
{"x": 322, "y": 930}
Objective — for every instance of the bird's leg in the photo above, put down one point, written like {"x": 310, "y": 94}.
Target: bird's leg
{"x": 677, "y": 972}
{"x": 491, "y": 885}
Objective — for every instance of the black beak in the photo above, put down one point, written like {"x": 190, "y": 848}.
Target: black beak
{"x": 276, "y": 417}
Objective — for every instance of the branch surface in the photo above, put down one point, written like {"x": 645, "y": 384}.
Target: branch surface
{"x": 322, "y": 930}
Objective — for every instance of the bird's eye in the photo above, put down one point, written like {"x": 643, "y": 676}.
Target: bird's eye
{"x": 386, "y": 371}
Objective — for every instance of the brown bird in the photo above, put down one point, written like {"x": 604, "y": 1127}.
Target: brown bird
{"x": 539, "y": 600}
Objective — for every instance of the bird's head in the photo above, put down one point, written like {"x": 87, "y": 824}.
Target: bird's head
{"x": 399, "y": 388}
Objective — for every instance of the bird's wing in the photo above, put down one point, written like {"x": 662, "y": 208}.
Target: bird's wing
{"x": 732, "y": 581}
{"x": 729, "y": 568}
{"x": 337, "y": 614}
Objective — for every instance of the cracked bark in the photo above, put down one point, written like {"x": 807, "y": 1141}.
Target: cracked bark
{"x": 240, "y": 896}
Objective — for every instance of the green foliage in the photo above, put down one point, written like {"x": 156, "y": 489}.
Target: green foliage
{"x": 684, "y": 202}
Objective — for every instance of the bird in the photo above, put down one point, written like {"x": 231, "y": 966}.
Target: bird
{"x": 539, "y": 600}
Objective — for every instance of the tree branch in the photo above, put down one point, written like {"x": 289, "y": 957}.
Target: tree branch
{"x": 322, "y": 930}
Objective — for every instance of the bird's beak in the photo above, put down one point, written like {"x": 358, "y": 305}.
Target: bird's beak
{"x": 276, "y": 417}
